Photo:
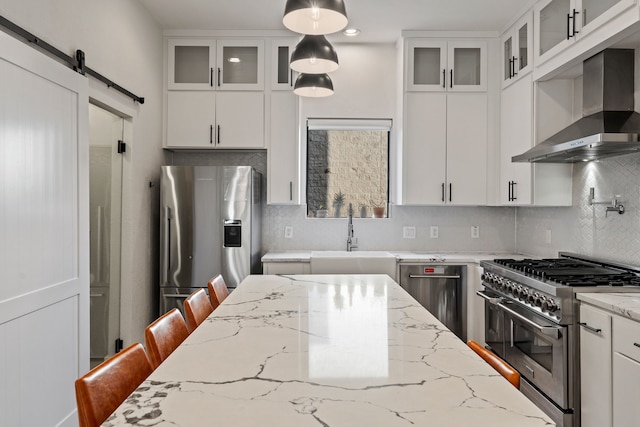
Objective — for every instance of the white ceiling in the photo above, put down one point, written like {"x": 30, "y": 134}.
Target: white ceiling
{"x": 379, "y": 20}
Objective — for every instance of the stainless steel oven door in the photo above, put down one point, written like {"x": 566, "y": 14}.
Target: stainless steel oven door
{"x": 537, "y": 348}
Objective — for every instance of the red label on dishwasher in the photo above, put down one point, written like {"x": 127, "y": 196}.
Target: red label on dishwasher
{"x": 428, "y": 270}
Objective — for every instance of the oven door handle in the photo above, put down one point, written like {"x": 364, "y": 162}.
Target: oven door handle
{"x": 492, "y": 300}
{"x": 551, "y": 331}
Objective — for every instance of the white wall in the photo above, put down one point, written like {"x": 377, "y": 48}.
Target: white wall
{"x": 122, "y": 42}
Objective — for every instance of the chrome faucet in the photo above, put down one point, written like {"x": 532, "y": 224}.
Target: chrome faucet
{"x": 352, "y": 242}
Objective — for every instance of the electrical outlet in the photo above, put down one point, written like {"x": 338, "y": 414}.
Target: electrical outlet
{"x": 408, "y": 232}
{"x": 475, "y": 232}
{"x": 288, "y": 232}
{"x": 547, "y": 237}
{"x": 434, "y": 231}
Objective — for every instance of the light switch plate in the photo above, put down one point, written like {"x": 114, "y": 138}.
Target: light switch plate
{"x": 408, "y": 232}
{"x": 434, "y": 231}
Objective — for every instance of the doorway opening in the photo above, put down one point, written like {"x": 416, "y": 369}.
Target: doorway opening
{"x": 105, "y": 212}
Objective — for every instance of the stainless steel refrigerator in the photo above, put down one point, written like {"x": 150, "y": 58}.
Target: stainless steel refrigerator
{"x": 210, "y": 223}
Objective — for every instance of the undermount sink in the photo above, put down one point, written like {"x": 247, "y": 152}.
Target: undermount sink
{"x": 356, "y": 262}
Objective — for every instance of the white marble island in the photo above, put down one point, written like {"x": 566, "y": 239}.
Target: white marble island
{"x": 334, "y": 350}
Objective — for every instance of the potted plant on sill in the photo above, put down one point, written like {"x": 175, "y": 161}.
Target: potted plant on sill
{"x": 322, "y": 212}
{"x": 338, "y": 202}
{"x": 378, "y": 208}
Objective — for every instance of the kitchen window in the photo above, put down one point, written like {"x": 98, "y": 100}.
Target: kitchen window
{"x": 347, "y": 164}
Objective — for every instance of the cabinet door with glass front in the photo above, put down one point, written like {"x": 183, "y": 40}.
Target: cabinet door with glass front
{"x": 282, "y": 77}
{"x": 240, "y": 65}
{"x": 517, "y": 48}
{"x": 559, "y": 23}
{"x": 191, "y": 64}
{"x": 446, "y": 66}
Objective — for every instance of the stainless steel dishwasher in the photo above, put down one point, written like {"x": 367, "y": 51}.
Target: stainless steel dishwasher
{"x": 441, "y": 290}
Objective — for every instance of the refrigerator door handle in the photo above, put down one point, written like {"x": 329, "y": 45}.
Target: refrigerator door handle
{"x": 167, "y": 246}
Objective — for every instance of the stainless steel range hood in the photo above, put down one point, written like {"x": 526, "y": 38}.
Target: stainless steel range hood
{"x": 609, "y": 126}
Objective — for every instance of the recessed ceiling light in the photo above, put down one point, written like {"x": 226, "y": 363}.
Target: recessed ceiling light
{"x": 351, "y": 32}
{"x": 234, "y": 59}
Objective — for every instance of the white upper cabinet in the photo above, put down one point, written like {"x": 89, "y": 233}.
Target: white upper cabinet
{"x": 559, "y": 23}
{"x": 282, "y": 77}
{"x": 224, "y": 120}
{"x": 539, "y": 184}
{"x": 191, "y": 64}
{"x": 283, "y": 154}
{"x": 209, "y": 64}
{"x": 445, "y": 149}
{"x": 441, "y": 65}
{"x": 517, "y": 50}
{"x": 240, "y": 65}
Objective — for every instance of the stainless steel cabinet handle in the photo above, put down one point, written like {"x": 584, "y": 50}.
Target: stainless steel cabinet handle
{"x": 546, "y": 330}
{"x": 433, "y": 276}
{"x": 590, "y": 328}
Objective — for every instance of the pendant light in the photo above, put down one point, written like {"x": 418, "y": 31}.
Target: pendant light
{"x": 315, "y": 16}
{"x": 313, "y": 85}
{"x": 314, "y": 55}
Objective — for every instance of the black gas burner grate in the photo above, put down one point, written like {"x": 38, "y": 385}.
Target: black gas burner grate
{"x": 570, "y": 272}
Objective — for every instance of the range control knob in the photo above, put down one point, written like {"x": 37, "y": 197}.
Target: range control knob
{"x": 549, "y": 305}
{"x": 524, "y": 293}
{"x": 531, "y": 297}
{"x": 537, "y": 299}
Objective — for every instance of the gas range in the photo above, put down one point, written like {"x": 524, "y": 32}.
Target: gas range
{"x": 532, "y": 321}
{"x": 548, "y": 286}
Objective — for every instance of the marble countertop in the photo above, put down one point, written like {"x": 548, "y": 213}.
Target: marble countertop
{"x": 401, "y": 256}
{"x": 325, "y": 350}
{"x": 624, "y": 304}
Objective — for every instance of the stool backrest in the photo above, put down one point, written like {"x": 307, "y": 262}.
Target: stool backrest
{"x": 101, "y": 390}
{"x": 196, "y": 308}
{"x": 164, "y": 335}
{"x": 218, "y": 291}
{"x": 498, "y": 364}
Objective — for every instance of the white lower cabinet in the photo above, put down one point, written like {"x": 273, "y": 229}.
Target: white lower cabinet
{"x": 595, "y": 367}
{"x": 475, "y": 304}
{"x": 223, "y": 120}
{"x": 286, "y": 268}
{"x": 445, "y": 149}
{"x": 626, "y": 372}
{"x": 609, "y": 369}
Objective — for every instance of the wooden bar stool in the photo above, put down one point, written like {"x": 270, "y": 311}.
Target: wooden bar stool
{"x": 498, "y": 364}
{"x": 196, "y": 308}
{"x": 101, "y": 390}
{"x": 164, "y": 335}
{"x": 218, "y": 291}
